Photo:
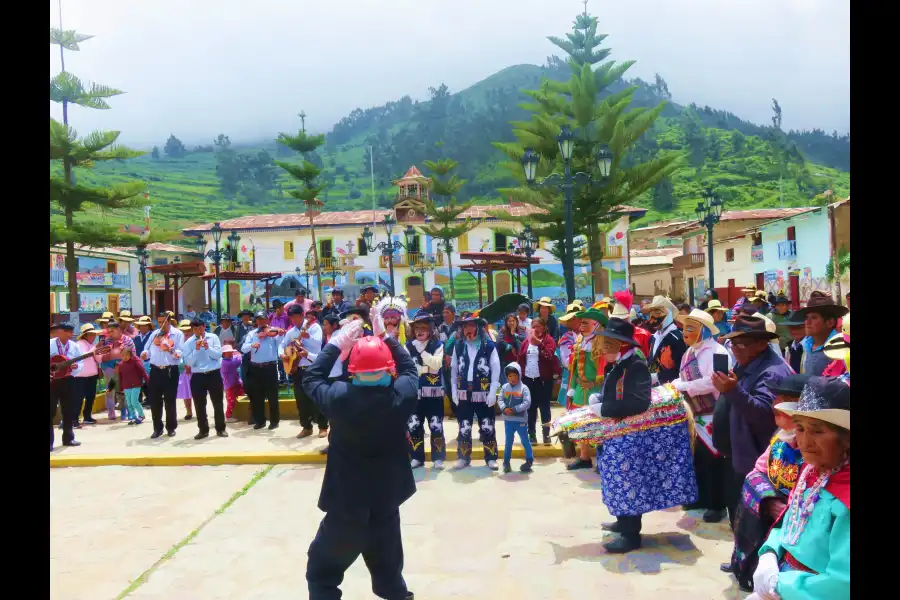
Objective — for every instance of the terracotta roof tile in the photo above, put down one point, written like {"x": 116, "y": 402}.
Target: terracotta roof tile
{"x": 653, "y": 256}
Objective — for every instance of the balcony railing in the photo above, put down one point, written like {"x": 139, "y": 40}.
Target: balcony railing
{"x": 413, "y": 260}
{"x": 689, "y": 261}
{"x": 608, "y": 252}
{"x": 787, "y": 249}
{"x": 756, "y": 253}
{"x": 329, "y": 263}
{"x": 61, "y": 277}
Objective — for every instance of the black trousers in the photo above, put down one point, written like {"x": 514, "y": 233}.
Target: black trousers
{"x": 734, "y": 483}
{"x": 263, "y": 380}
{"x": 711, "y": 477}
{"x": 340, "y": 541}
{"x": 306, "y": 408}
{"x": 85, "y": 390}
{"x": 62, "y": 394}
{"x": 540, "y": 390}
{"x": 203, "y": 385}
{"x": 162, "y": 389}
{"x": 630, "y": 525}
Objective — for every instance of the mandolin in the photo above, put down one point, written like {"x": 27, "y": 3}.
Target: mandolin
{"x": 60, "y": 366}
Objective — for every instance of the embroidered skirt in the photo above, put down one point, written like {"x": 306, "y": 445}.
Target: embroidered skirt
{"x": 647, "y": 470}
{"x": 750, "y": 526}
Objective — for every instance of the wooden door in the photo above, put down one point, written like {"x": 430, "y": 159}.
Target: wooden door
{"x": 234, "y": 298}
{"x": 112, "y": 303}
{"x": 760, "y": 281}
{"x": 503, "y": 283}
{"x": 165, "y": 300}
{"x": 794, "y": 282}
{"x": 414, "y": 292}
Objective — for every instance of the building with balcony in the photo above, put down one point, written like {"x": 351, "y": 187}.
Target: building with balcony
{"x": 190, "y": 292}
{"x": 107, "y": 281}
{"x": 282, "y": 243}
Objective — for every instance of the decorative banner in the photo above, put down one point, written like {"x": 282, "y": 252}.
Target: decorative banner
{"x": 92, "y": 302}
{"x": 124, "y": 301}
{"x": 756, "y": 254}
{"x": 771, "y": 276}
{"x": 94, "y": 278}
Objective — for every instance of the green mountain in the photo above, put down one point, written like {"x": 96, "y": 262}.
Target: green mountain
{"x": 749, "y": 165}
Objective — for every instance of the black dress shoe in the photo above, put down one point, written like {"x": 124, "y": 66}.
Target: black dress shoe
{"x": 726, "y": 568}
{"x": 171, "y": 434}
{"x": 188, "y": 417}
{"x": 90, "y": 421}
{"x": 623, "y": 544}
{"x": 611, "y": 526}
{"x": 72, "y": 443}
{"x": 222, "y": 433}
{"x": 259, "y": 426}
{"x": 693, "y": 506}
{"x": 580, "y": 464}
{"x": 201, "y": 435}
{"x": 713, "y": 516}
{"x": 273, "y": 426}
{"x": 156, "y": 434}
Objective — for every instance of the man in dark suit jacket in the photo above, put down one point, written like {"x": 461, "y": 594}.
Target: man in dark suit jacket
{"x": 367, "y": 475}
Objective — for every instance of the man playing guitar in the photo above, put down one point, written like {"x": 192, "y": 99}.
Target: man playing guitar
{"x": 63, "y": 361}
{"x": 299, "y": 348}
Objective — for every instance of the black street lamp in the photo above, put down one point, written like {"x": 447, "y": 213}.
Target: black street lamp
{"x": 387, "y": 248}
{"x": 216, "y": 256}
{"x": 142, "y": 258}
{"x": 528, "y": 244}
{"x": 709, "y": 211}
{"x": 567, "y": 182}
{"x": 304, "y": 272}
{"x": 234, "y": 239}
{"x": 424, "y": 266}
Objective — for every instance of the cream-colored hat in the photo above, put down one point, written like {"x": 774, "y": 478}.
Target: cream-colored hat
{"x": 125, "y": 315}
{"x": 663, "y": 303}
{"x": 184, "y": 325}
{"x": 702, "y": 317}
{"x": 86, "y": 329}
{"x": 545, "y": 301}
{"x": 715, "y": 305}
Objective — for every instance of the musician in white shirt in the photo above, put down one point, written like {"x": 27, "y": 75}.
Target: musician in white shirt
{"x": 307, "y": 334}
{"x": 61, "y": 386}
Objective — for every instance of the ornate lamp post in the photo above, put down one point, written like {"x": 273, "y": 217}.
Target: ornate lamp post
{"x": 709, "y": 211}
{"x": 387, "y": 248}
{"x": 566, "y": 183}
{"x": 143, "y": 254}
{"x": 528, "y": 243}
{"x": 216, "y": 256}
{"x": 234, "y": 239}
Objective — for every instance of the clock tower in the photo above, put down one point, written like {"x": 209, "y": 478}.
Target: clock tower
{"x": 409, "y": 207}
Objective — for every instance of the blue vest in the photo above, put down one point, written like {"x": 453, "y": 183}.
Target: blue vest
{"x": 430, "y": 385}
{"x": 480, "y": 386}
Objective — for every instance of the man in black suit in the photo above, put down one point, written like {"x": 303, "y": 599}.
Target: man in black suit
{"x": 367, "y": 474}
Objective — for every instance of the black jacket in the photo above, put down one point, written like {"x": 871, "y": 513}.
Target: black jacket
{"x": 337, "y": 310}
{"x": 240, "y": 332}
{"x": 635, "y": 388}
{"x": 675, "y": 341}
{"x": 368, "y": 457}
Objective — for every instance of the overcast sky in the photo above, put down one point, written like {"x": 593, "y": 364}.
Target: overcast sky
{"x": 196, "y": 68}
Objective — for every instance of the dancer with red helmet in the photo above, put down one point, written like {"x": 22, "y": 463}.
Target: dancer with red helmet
{"x": 367, "y": 474}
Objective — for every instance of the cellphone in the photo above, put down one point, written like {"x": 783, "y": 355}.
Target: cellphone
{"x": 720, "y": 363}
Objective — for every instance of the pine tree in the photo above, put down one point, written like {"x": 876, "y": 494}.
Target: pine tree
{"x": 73, "y": 152}
{"x": 307, "y": 173}
{"x": 174, "y": 148}
{"x": 609, "y": 121}
{"x": 444, "y": 224}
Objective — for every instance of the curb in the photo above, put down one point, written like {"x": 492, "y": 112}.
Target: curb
{"x": 241, "y": 458}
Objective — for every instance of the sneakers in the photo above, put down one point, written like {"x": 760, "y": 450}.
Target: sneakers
{"x": 90, "y": 421}
{"x": 461, "y": 464}
{"x": 222, "y": 433}
{"x": 415, "y": 464}
{"x": 506, "y": 468}
{"x": 438, "y": 464}
{"x": 492, "y": 465}
{"x": 526, "y": 466}
{"x": 231, "y": 420}
{"x": 139, "y": 420}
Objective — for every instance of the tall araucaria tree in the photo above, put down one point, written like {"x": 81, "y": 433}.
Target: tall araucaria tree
{"x": 307, "y": 173}
{"x": 598, "y": 118}
{"x": 73, "y": 152}
{"x": 445, "y": 224}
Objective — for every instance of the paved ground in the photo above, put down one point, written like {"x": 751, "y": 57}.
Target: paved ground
{"x": 467, "y": 534}
{"x": 122, "y": 439}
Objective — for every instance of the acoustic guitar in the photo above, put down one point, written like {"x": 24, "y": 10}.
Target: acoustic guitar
{"x": 291, "y": 358}
{"x": 60, "y": 366}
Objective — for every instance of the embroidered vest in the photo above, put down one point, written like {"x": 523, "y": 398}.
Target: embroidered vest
{"x": 784, "y": 466}
{"x": 690, "y": 371}
{"x": 429, "y": 383}
{"x": 480, "y": 385}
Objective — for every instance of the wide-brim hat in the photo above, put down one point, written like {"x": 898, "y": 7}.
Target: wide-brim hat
{"x": 249, "y": 313}
{"x": 761, "y": 295}
{"x": 663, "y": 303}
{"x": 226, "y": 318}
{"x": 715, "y": 305}
{"x": 822, "y": 303}
{"x": 107, "y": 316}
{"x": 86, "y": 329}
{"x": 544, "y": 301}
{"x": 125, "y": 315}
{"x": 473, "y": 319}
{"x": 356, "y": 310}
{"x": 594, "y": 313}
{"x": 572, "y": 311}
{"x": 782, "y": 299}
{"x": 618, "y": 329}
{"x": 261, "y": 315}
{"x": 702, "y": 317}
{"x": 184, "y": 324}
{"x": 423, "y": 317}
{"x": 749, "y": 288}
{"x": 823, "y": 398}
{"x": 792, "y": 320}
{"x": 838, "y": 347}
{"x": 752, "y": 327}
{"x": 366, "y": 288}
{"x": 791, "y": 385}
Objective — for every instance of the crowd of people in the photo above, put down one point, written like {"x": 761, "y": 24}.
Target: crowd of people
{"x": 750, "y": 403}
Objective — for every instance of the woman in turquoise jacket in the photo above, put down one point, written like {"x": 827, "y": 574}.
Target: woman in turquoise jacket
{"x": 807, "y": 554}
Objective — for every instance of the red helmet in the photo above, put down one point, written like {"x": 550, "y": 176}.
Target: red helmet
{"x": 370, "y": 354}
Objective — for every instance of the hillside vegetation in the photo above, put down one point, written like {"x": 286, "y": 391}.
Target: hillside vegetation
{"x": 747, "y": 164}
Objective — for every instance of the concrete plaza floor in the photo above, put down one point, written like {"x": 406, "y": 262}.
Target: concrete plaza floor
{"x": 189, "y": 533}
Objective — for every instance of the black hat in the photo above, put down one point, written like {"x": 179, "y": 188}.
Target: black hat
{"x": 618, "y": 329}
{"x": 752, "y": 327}
{"x": 65, "y": 326}
{"x": 366, "y": 288}
{"x": 471, "y": 319}
{"x": 261, "y": 315}
{"x": 422, "y": 316}
{"x": 524, "y": 306}
{"x": 782, "y": 299}
{"x": 356, "y": 310}
{"x": 337, "y": 290}
{"x": 295, "y": 309}
{"x": 195, "y": 322}
{"x": 793, "y": 320}
{"x": 277, "y": 303}
{"x": 301, "y": 290}
{"x": 249, "y": 313}
{"x": 791, "y": 385}
{"x": 823, "y": 304}
{"x": 748, "y": 309}
{"x": 226, "y": 318}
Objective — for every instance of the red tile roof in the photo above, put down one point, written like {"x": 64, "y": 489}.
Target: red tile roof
{"x": 758, "y": 214}
{"x": 160, "y": 247}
